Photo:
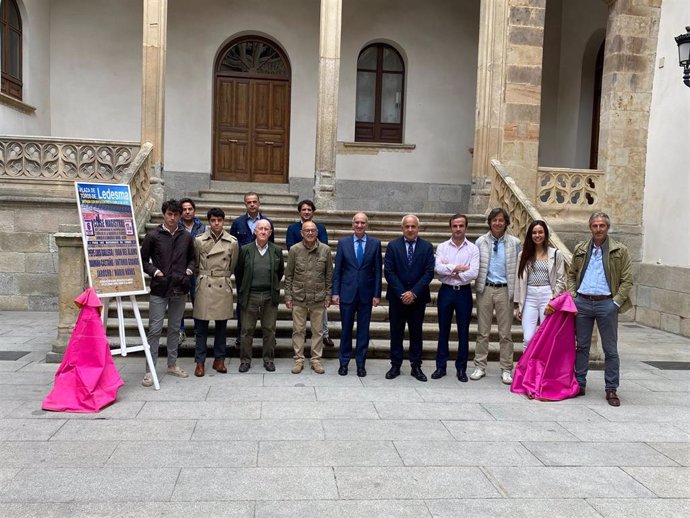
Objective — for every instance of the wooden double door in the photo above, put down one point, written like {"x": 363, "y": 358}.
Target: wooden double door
{"x": 251, "y": 129}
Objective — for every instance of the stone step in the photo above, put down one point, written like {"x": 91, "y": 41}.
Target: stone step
{"x": 215, "y": 197}
{"x": 265, "y": 190}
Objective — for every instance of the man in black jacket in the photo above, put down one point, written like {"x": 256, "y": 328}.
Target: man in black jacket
{"x": 167, "y": 255}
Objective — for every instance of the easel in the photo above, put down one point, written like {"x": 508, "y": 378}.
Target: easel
{"x": 124, "y": 350}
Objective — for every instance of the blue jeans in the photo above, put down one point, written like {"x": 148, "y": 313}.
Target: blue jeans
{"x": 605, "y": 314}
{"x": 218, "y": 340}
{"x": 459, "y": 302}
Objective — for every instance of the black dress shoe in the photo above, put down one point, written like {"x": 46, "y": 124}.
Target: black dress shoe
{"x": 462, "y": 376}
{"x": 394, "y": 372}
{"x": 270, "y": 366}
{"x": 328, "y": 342}
{"x": 418, "y": 374}
{"x": 244, "y": 367}
{"x": 342, "y": 370}
{"x": 361, "y": 372}
{"x": 438, "y": 374}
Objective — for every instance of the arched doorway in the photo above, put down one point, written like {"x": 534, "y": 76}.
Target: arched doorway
{"x": 251, "y": 115}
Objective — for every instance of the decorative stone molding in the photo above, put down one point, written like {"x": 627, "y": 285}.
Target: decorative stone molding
{"x": 571, "y": 189}
{"x": 16, "y": 104}
{"x": 27, "y": 158}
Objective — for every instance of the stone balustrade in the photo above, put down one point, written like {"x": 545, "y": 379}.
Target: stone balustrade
{"x": 576, "y": 190}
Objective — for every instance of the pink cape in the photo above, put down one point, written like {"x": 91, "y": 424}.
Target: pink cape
{"x": 546, "y": 369}
{"x": 87, "y": 379}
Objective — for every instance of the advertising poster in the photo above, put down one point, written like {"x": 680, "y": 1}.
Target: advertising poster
{"x": 110, "y": 239}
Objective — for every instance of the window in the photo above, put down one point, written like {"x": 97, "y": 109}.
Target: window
{"x": 380, "y": 94}
{"x": 11, "y": 45}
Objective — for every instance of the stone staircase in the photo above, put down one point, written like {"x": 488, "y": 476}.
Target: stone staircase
{"x": 281, "y": 207}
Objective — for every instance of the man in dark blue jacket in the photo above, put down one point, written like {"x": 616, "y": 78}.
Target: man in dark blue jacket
{"x": 356, "y": 288}
{"x": 191, "y": 224}
{"x": 409, "y": 268}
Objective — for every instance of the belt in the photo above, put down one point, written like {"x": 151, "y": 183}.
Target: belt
{"x": 215, "y": 273}
{"x": 594, "y": 297}
{"x": 456, "y": 287}
{"x": 496, "y": 285}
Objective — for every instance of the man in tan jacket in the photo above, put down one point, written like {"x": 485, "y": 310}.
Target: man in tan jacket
{"x": 216, "y": 256}
{"x": 308, "y": 286}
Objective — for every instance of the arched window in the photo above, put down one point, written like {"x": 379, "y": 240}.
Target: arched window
{"x": 380, "y": 94}
{"x": 11, "y": 45}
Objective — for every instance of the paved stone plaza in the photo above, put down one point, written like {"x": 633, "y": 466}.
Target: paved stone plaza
{"x": 276, "y": 444}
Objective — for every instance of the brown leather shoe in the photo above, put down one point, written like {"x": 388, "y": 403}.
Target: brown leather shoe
{"x": 200, "y": 370}
{"x": 328, "y": 342}
{"x": 612, "y": 397}
{"x": 219, "y": 366}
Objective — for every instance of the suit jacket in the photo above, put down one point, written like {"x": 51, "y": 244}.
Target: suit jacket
{"x": 415, "y": 278}
{"x": 240, "y": 229}
{"x": 352, "y": 281}
{"x": 294, "y": 234}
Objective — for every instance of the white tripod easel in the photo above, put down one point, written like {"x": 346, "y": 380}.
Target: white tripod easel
{"x": 124, "y": 349}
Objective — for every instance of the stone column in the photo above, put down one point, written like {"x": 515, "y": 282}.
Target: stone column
{"x": 327, "y": 108}
{"x": 509, "y": 69}
{"x": 153, "y": 77}
{"x": 72, "y": 281}
{"x": 629, "y": 60}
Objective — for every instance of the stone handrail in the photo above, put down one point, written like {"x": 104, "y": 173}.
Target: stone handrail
{"x": 506, "y": 193}
{"x": 572, "y": 189}
{"x": 38, "y": 158}
{"x": 145, "y": 184}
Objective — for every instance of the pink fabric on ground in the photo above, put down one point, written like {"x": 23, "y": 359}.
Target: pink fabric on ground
{"x": 87, "y": 379}
{"x": 546, "y": 369}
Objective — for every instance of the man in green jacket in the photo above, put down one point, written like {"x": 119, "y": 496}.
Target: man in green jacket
{"x": 260, "y": 267}
{"x": 600, "y": 280}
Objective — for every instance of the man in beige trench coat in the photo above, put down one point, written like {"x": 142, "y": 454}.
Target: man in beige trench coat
{"x": 216, "y": 256}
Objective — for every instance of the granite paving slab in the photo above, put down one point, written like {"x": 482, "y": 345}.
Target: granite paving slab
{"x": 31, "y": 454}
{"x": 566, "y": 482}
{"x": 513, "y": 508}
{"x": 367, "y": 394}
{"x": 258, "y": 430}
{"x": 318, "y": 410}
{"x": 23, "y": 392}
{"x": 27, "y": 378}
{"x": 200, "y": 410}
{"x": 124, "y": 430}
{"x": 387, "y": 430}
{"x": 508, "y": 431}
{"x": 6, "y": 475}
{"x": 29, "y": 429}
{"x": 342, "y": 508}
{"x": 7, "y": 407}
{"x": 663, "y": 385}
{"x": 229, "y": 393}
{"x": 117, "y": 410}
{"x": 664, "y": 482}
{"x": 309, "y": 379}
{"x": 237, "y": 509}
{"x": 293, "y": 483}
{"x": 597, "y": 454}
{"x": 87, "y": 484}
{"x": 641, "y": 507}
{"x": 540, "y": 411}
{"x": 641, "y": 413}
{"x": 185, "y": 454}
{"x": 172, "y": 389}
{"x": 630, "y": 432}
{"x": 449, "y": 453}
{"x": 343, "y": 452}
{"x": 427, "y": 410}
{"x": 419, "y": 482}
{"x": 679, "y": 452}
{"x": 465, "y": 395}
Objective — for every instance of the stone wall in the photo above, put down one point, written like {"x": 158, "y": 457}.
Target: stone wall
{"x": 663, "y": 297}
{"x": 28, "y": 254}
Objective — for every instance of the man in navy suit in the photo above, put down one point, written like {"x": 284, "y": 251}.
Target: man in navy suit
{"x": 409, "y": 268}
{"x": 243, "y": 229}
{"x": 356, "y": 288}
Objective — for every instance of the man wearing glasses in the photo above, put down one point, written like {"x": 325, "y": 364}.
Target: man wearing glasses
{"x": 495, "y": 285}
{"x": 600, "y": 280}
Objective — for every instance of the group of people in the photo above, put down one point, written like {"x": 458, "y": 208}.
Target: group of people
{"x": 181, "y": 254}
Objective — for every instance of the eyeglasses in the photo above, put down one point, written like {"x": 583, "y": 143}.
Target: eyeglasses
{"x": 309, "y": 231}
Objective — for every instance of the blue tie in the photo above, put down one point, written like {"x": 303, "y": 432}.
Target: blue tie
{"x": 360, "y": 252}
{"x": 410, "y": 251}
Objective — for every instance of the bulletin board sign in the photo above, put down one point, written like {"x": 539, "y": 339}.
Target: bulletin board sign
{"x": 111, "y": 243}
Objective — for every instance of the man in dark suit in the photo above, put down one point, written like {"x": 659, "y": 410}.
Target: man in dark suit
{"x": 356, "y": 288}
{"x": 243, "y": 229}
{"x": 409, "y": 268}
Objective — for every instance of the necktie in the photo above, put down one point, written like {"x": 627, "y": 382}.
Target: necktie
{"x": 360, "y": 252}
{"x": 410, "y": 251}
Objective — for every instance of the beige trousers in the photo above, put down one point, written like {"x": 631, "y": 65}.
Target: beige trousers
{"x": 494, "y": 299}
{"x": 299, "y": 328}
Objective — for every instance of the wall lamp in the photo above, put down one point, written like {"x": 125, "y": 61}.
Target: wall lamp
{"x": 683, "y": 42}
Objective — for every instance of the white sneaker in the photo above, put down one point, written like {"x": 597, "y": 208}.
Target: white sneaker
{"x": 148, "y": 380}
{"x": 182, "y": 337}
{"x": 176, "y": 371}
{"x": 506, "y": 377}
{"x": 477, "y": 374}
